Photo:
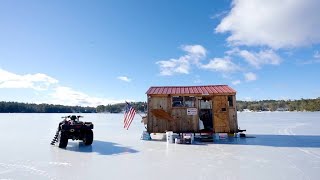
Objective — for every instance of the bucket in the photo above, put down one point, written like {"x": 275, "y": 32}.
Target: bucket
{"x": 216, "y": 136}
{"x": 169, "y": 135}
{"x": 177, "y": 140}
{"x": 223, "y": 135}
{"x": 145, "y": 136}
{"x": 188, "y": 138}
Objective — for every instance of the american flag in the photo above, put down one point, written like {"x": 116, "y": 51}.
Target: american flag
{"x": 129, "y": 114}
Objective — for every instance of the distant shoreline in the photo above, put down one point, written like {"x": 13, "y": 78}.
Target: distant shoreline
{"x": 303, "y": 105}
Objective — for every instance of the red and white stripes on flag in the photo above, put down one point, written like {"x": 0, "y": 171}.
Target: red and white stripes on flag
{"x": 129, "y": 114}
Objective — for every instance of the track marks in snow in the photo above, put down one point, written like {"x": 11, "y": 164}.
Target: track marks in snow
{"x": 5, "y": 171}
{"x": 222, "y": 151}
{"x": 25, "y": 167}
{"x": 64, "y": 164}
{"x": 313, "y": 154}
{"x": 294, "y": 166}
{"x": 288, "y": 130}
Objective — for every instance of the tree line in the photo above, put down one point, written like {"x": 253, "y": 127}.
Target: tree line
{"x": 280, "y": 105}
{"x": 16, "y": 107}
{"x": 263, "y": 105}
{"x": 117, "y": 108}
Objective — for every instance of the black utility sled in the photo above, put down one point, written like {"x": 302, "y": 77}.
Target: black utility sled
{"x": 72, "y": 128}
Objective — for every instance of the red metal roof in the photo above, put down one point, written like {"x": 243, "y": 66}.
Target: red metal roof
{"x": 210, "y": 89}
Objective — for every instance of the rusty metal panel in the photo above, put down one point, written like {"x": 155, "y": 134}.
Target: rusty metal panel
{"x": 177, "y": 90}
{"x": 183, "y": 90}
{"x": 214, "y": 90}
{"x": 217, "y": 89}
{"x": 210, "y": 89}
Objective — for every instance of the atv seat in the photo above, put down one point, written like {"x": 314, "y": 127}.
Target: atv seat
{"x": 73, "y": 118}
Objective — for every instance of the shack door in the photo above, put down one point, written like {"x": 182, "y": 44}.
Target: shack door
{"x": 205, "y": 114}
{"x": 221, "y": 115}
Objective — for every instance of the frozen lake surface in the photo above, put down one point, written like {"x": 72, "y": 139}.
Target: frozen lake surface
{"x": 286, "y": 146}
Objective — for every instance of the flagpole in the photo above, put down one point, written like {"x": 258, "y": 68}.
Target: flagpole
{"x": 136, "y": 111}
{"x": 129, "y": 115}
{"x": 139, "y": 114}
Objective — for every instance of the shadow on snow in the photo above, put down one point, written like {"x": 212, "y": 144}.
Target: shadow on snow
{"x": 275, "y": 140}
{"x": 100, "y": 147}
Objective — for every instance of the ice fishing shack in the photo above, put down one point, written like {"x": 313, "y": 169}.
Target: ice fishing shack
{"x": 192, "y": 109}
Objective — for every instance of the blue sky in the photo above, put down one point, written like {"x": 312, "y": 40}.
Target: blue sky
{"x": 101, "y": 52}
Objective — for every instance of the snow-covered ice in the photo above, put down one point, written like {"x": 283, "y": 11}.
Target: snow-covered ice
{"x": 286, "y": 146}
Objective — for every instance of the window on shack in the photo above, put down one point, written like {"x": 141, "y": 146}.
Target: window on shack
{"x": 177, "y": 101}
{"x": 183, "y": 101}
{"x": 230, "y": 101}
{"x": 205, "y": 104}
{"x": 190, "y": 101}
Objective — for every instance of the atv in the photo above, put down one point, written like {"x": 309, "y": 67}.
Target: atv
{"x": 72, "y": 128}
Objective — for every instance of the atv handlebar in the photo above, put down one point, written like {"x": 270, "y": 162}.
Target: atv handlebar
{"x": 65, "y": 117}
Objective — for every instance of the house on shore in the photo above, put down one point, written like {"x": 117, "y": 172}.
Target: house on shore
{"x": 182, "y": 108}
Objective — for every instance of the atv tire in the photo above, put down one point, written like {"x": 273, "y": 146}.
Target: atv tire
{"x": 62, "y": 140}
{"x": 88, "y": 137}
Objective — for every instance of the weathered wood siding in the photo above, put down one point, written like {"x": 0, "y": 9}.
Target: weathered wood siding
{"x": 220, "y": 117}
{"x": 184, "y": 122}
{"x": 155, "y": 124}
{"x": 224, "y": 117}
{"x": 181, "y": 123}
{"x": 233, "y": 117}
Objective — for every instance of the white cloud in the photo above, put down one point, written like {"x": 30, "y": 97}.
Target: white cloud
{"x": 37, "y": 81}
{"x": 273, "y": 23}
{"x": 67, "y": 96}
{"x": 219, "y": 15}
{"x": 124, "y": 78}
{"x": 175, "y": 66}
{"x": 250, "y": 76}
{"x": 260, "y": 58}
{"x": 224, "y": 65}
{"x": 236, "y": 82}
{"x": 316, "y": 55}
{"x": 46, "y": 84}
{"x": 195, "y": 50}
{"x": 182, "y": 65}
